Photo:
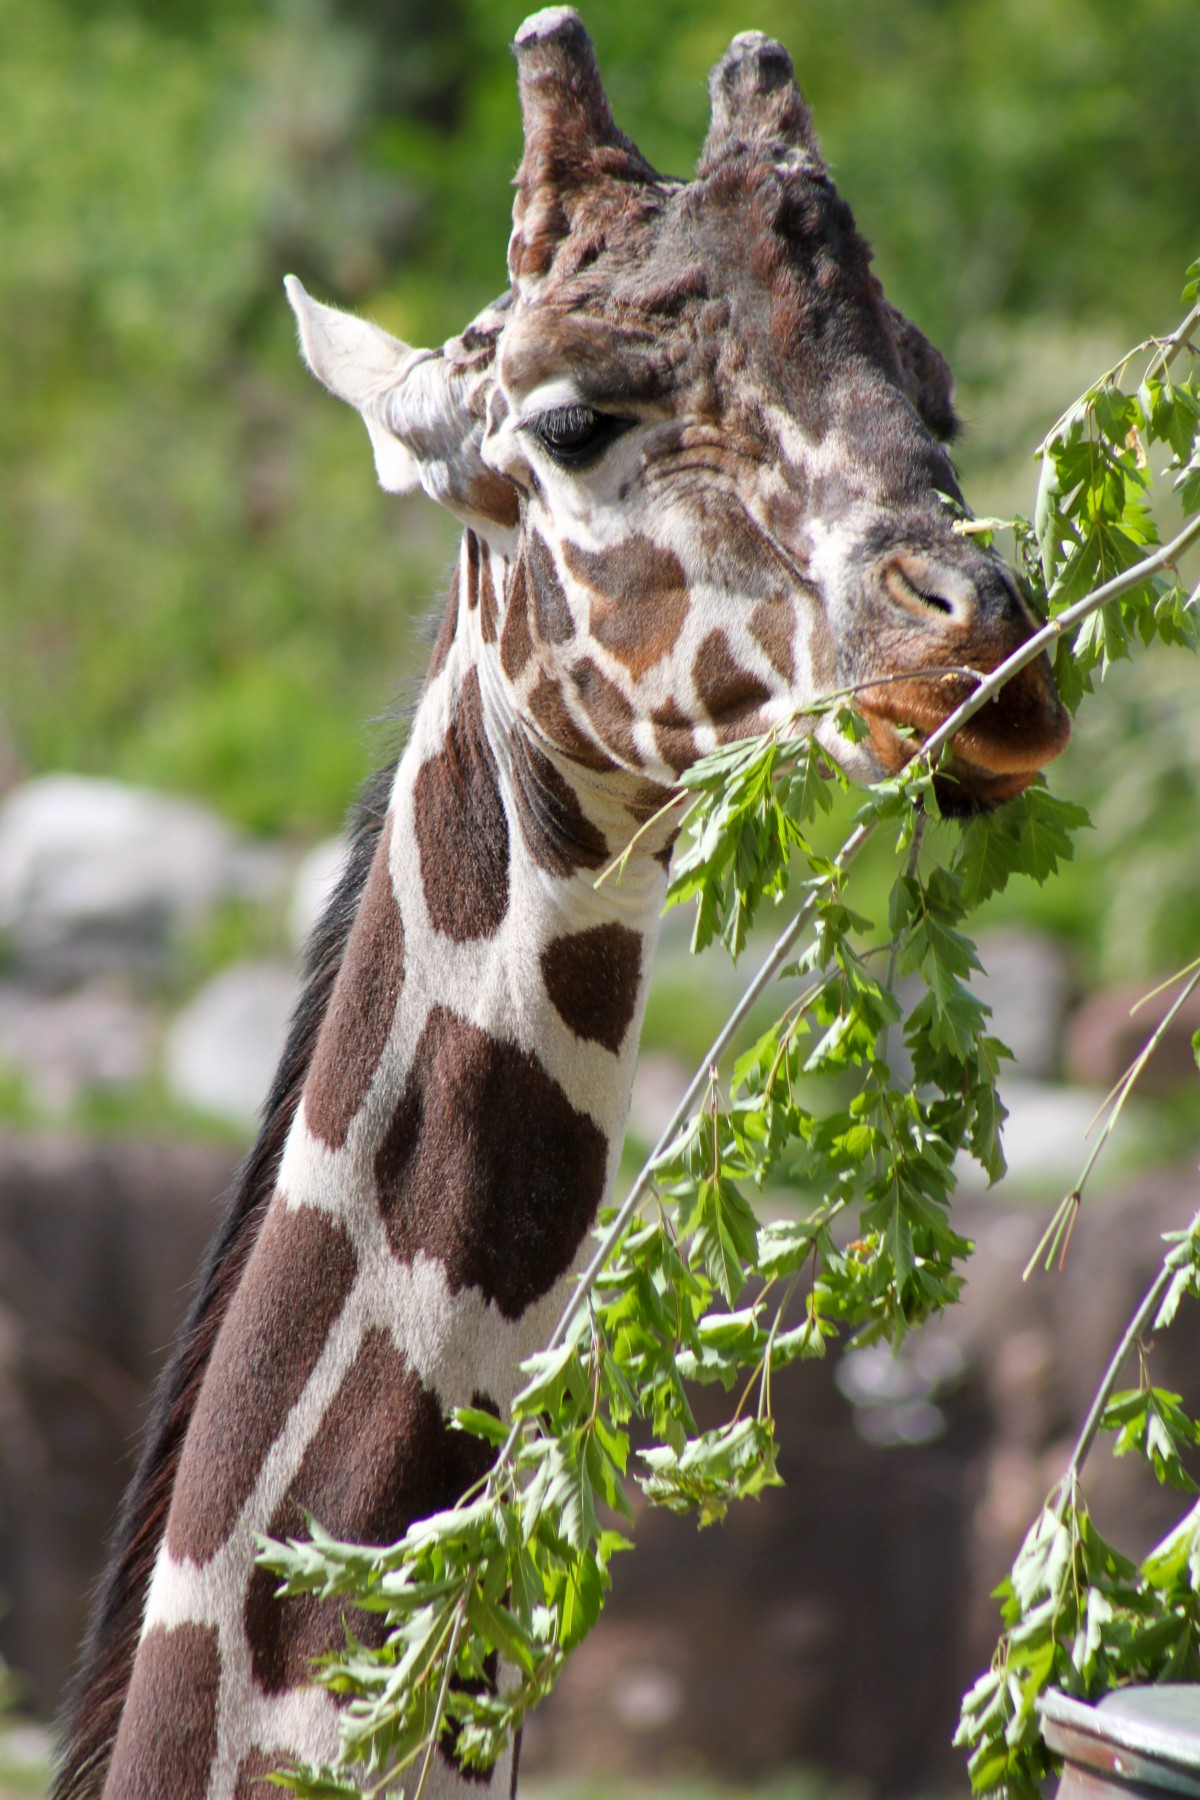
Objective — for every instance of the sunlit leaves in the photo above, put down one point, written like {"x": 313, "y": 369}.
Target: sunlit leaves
{"x": 1150, "y": 1420}
{"x": 1093, "y": 519}
{"x": 1078, "y": 1614}
{"x": 1083, "y": 1618}
{"x": 735, "y": 1462}
{"x": 1032, "y": 836}
{"x": 739, "y": 835}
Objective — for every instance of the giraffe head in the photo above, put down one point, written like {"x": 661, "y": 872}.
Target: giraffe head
{"x": 704, "y": 452}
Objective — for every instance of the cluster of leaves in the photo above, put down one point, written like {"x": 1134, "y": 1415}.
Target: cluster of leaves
{"x": 1078, "y": 1614}
{"x": 858, "y": 1107}
{"x": 1093, "y": 519}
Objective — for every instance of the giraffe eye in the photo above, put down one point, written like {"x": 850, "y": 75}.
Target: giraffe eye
{"x": 574, "y": 436}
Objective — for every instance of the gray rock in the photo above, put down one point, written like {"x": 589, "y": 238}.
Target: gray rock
{"x": 313, "y": 883}
{"x": 97, "y": 876}
{"x": 1026, "y": 981}
{"x": 99, "y": 1242}
{"x": 1108, "y": 1031}
{"x": 65, "y": 1046}
{"x": 222, "y": 1050}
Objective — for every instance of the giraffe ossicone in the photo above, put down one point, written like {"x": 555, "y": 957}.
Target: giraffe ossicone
{"x": 700, "y": 464}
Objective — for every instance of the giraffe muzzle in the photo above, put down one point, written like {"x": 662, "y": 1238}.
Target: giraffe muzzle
{"x": 995, "y": 755}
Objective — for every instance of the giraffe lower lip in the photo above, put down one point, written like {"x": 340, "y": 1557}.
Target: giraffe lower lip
{"x": 962, "y": 787}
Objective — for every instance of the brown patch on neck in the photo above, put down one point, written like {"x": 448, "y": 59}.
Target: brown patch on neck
{"x": 516, "y": 645}
{"x": 462, "y": 828}
{"x": 251, "y": 1780}
{"x": 168, "y": 1738}
{"x": 487, "y": 1167}
{"x": 381, "y": 1457}
{"x": 471, "y": 543}
{"x": 490, "y": 496}
{"x": 294, "y": 1288}
{"x": 551, "y": 613}
{"x": 481, "y": 592}
{"x": 356, "y": 1027}
{"x": 548, "y": 707}
{"x": 446, "y": 632}
{"x": 558, "y": 833}
{"x": 488, "y": 620}
{"x": 592, "y": 979}
{"x": 640, "y": 599}
{"x": 674, "y": 736}
{"x": 607, "y": 708}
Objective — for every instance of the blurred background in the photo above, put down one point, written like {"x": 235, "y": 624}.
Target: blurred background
{"x": 211, "y": 618}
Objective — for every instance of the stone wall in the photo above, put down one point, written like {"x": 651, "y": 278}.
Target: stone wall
{"x": 834, "y": 1622}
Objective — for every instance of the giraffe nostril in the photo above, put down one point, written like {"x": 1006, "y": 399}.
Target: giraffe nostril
{"x": 914, "y": 591}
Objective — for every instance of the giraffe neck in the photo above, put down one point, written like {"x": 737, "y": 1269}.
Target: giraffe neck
{"x": 460, "y": 1124}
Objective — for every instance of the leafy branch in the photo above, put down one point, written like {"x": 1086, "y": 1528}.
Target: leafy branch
{"x": 484, "y": 1602}
{"x": 1078, "y": 1614}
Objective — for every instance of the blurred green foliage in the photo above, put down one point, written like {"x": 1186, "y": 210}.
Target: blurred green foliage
{"x": 201, "y": 586}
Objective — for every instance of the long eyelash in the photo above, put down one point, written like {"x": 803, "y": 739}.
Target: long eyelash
{"x": 595, "y": 431}
{"x": 566, "y": 419}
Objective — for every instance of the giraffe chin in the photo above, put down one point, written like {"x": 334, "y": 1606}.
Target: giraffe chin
{"x": 964, "y": 792}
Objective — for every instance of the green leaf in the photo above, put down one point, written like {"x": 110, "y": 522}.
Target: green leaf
{"x": 735, "y": 1462}
{"x": 479, "y": 1424}
{"x": 556, "y": 1377}
{"x": 724, "y": 1233}
{"x": 785, "y": 1245}
{"x": 1043, "y": 1561}
{"x": 1187, "y": 486}
{"x": 1115, "y": 412}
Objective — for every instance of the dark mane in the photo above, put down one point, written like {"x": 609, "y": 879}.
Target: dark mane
{"x": 93, "y": 1709}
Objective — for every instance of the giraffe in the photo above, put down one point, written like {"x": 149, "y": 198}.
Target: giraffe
{"x": 700, "y": 465}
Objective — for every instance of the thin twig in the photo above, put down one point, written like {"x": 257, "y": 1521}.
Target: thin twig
{"x": 1132, "y": 1333}
{"x": 938, "y": 672}
{"x": 439, "y": 1711}
{"x": 1167, "y": 349}
{"x": 1170, "y": 347}
{"x": 1068, "y": 1208}
{"x": 617, "y": 865}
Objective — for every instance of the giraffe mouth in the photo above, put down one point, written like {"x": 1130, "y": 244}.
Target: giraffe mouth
{"x": 995, "y": 755}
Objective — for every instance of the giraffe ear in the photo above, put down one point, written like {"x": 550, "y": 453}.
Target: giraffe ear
{"x": 755, "y": 102}
{"x": 363, "y": 365}
{"x": 571, "y": 141}
{"x": 423, "y": 411}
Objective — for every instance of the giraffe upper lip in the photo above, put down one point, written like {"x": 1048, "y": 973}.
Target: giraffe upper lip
{"x": 1024, "y": 727}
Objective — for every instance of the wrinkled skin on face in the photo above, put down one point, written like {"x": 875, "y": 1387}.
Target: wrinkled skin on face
{"x": 707, "y": 450}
